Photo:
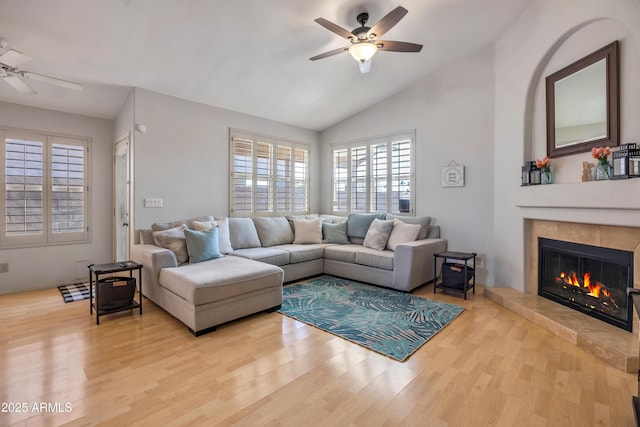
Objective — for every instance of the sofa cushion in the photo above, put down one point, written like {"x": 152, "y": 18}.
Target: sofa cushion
{"x": 219, "y": 279}
{"x": 202, "y": 245}
{"x": 302, "y": 253}
{"x": 174, "y": 240}
{"x": 273, "y": 231}
{"x": 335, "y": 233}
{"x": 307, "y": 231}
{"x": 375, "y": 258}
{"x": 402, "y": 233}
{"x": 146, "y": 237}
{"x": 333, "y": 219}
{"x": 243, "y": 233}
{"x": 342, "y": 253}
{"x": 269, "y": 255}
{"x": 159, "y": 226}
{"x": 378, "y": 234}
{"x": 224, "y": 239}
{"x": 358, "y": 223}
{"x": 424, "y": 221}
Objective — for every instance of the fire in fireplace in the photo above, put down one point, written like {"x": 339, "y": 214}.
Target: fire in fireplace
{"x": 591, "y": 279}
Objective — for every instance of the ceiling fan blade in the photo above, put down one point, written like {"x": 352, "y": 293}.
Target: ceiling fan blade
{"x": 335, "y": 28}
{"x": 17, "y": 83}
{"x": 365, "y": 67}
{"x": 13, "y": 58}
{"x": 387, "y": 22}
{"x": 391, "y": 46}
{"x": 52, "y": 80}
{"x": 330, "y": 53}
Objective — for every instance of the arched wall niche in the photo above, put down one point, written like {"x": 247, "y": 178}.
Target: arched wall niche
{"x": 574, "y": 44}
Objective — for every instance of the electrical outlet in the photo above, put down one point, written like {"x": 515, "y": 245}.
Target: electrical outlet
{"x": 153, "y": 202}
{"x": 479, "y": 261}
{"x": 4, "y": 267}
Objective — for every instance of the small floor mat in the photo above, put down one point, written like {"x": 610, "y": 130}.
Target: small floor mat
{"x": 75, "y": 292}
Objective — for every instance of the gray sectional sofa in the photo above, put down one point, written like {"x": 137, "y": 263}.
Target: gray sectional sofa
{"x": 259, "y": 254}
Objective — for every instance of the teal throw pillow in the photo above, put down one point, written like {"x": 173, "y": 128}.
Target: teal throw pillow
{"x": 202, "y": 245}
{"x": 335, "y": 233}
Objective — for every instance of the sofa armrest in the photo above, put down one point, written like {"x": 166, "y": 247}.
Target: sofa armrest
{"x": 413, "y": 262}
{"x": 153, "y": 259}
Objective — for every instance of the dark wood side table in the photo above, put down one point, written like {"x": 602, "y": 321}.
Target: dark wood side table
{"x": 466, "y": 274}
{"x": 116, "y": 267}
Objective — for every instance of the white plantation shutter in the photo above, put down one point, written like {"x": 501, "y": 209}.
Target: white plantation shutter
{"x": 301, "y": 179}
{"x": 283, "y": 179}
{"x": 68, "y": 189}
{"x": 359, "y": 181}
{"x": 263, "y": 189}
{"x": 241, "y": 176}
{"x": 24, "y": 200}
{"x": 268, "y": 176}
{"x": 46, "y": 188}
{"x": 402, "y": 174}
{"x": 340, "y": 181}
{"x": 378, "y": 160}
{"x": 374, "y": 175}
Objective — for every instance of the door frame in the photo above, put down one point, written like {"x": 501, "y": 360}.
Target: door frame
{"x": 130, "y": 230}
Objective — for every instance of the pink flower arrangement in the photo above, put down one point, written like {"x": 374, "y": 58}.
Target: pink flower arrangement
{"x": 600, "y": 153}
{"x": 544, "y": 164}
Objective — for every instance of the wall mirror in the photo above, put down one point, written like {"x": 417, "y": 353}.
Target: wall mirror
{"x": 583, "y": 104}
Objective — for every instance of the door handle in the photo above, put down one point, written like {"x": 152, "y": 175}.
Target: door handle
{"x": 126, "y": 224}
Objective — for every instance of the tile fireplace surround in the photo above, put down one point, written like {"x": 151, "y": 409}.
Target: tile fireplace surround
{"x": 615, "y": 346}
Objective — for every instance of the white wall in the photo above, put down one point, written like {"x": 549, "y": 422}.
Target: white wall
{"x": 452, "y": 113}
{"x": 125, "y": 121}
{"x": 183, "y": 157}
{"x": 549, "y": 35}
{"x": 44, "y": 267}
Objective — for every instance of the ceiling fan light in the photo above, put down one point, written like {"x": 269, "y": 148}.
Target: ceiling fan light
{"x": 363, "y": 51}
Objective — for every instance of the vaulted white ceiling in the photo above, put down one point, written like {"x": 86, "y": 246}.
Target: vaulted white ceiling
{"x": 250, "y": 56}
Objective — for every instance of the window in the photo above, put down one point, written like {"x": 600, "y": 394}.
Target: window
{"x": 45, "y": 184}
{"x": 374, "y": 175}
{"x": 269, "y": 176}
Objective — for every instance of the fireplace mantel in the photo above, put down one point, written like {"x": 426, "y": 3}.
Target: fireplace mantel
{"x": 598, "y": 195}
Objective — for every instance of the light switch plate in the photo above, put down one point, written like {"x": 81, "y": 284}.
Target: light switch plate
{"x": 153, "y": 202}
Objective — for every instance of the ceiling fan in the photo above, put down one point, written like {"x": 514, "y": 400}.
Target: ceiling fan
{"x": 365, "y": 41}
{"x": 11, "y": 60}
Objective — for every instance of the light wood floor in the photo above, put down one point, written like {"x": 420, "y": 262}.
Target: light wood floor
{"x": 488, "y": 367}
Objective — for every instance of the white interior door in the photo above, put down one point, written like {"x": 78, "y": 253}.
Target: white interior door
{"x": 122, "y": 193}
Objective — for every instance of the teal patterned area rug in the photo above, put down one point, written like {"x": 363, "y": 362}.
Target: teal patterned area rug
{"x": 389, "y": 322}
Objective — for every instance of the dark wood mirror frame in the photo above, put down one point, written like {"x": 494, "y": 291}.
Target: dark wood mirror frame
{"x": 610, "y": 53}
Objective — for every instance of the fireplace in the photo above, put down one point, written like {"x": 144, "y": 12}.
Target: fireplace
{"x": 590, "y": 279}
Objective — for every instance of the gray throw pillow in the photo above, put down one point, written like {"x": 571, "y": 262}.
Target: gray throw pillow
{"x": 378, "y": 234}
{"x": 273, "y": 231}
{"x": 174, "y": 240}
{"x": 358, "y": 223}
{"x": 424, "y": 221}
{"x": 335, "y": 233}
{"x": 243, "y": 233}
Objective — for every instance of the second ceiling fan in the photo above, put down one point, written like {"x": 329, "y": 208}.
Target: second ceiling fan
{"x": 365, "y": 41}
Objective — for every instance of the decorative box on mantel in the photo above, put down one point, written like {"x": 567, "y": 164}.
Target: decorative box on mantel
{"x": 626, "y": 161}
{"x": 531, "y": 174}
